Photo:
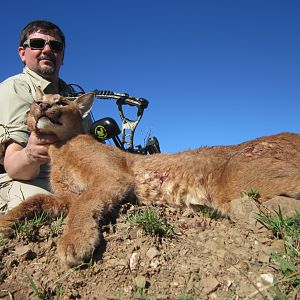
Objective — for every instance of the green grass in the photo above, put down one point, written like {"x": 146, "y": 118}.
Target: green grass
{"x": 286, "y": 228}
{"x": 252, "y": 193}
{"x": 38, "y": 293}
{"x": 2, "y": 241}
{"x": 45, "y": 294}
{"x": 287, "y": 263}
{"x": 56, "y": 227}
{"x": 30, "y": 226}
{"x": 151, "y": 223}
{"x": 210, "y": 212}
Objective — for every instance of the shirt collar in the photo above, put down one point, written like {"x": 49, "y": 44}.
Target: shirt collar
{"x": 38, "y": 80}
{"x": 47, "y": 86}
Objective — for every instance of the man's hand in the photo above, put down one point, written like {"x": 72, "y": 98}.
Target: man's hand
{"x": 37, "y": 147}
{"x": 24, "y": 163}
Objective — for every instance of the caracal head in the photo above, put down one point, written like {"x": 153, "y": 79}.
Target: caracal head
{"x": 55, "y": 114}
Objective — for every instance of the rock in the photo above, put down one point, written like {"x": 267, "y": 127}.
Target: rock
{"x": 265, "y": 251}
{"x": 140, "y": 281}
{"x": 25, "y": 252}
{"x": 22, "y": 250}
{"x": 263, "y": 282}
{"x": 209, "y": 284}
{"x": 263, "y": 257}
{"x": 43, "y": 259}
{"x": 179, "y": 281}
{"x": 152, "y": 252}
{"x": 114, "y": 262}
{"x": 277, "y": 246}
{"x": 288, "y": 206}
{"x": 267, "y": 279}
{"x": 155, "y": 264}
{"x": 243, "y": 211}
{"x": 233, "y": 270}
{"x": 134, "y": 233}
{"x": 133, "y": 261}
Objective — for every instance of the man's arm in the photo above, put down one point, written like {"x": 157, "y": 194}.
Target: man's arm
{"x": 23, "y": 163}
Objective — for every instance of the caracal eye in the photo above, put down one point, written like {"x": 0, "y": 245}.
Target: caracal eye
{"x": 62, "y": 103}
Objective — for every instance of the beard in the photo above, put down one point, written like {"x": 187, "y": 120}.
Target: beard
{"x": 46, "y": 70}
{"x": 49, "y": 68}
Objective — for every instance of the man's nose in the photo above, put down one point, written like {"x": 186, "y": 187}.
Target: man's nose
{"x": 47, "y": 48}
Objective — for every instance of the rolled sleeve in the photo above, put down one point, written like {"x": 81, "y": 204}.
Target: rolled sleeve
{"x": 15, "y": 100}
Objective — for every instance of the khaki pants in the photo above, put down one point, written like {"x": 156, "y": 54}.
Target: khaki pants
{"x": 13, "y": 192}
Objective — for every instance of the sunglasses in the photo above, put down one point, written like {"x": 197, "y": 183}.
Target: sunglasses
{"x": 39, "y": 44}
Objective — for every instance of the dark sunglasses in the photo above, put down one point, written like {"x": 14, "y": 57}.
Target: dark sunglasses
{"x": 39, "y": 44}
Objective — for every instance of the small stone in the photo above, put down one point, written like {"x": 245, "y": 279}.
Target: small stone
{"x": 267, "y": 279}
{"x": 233, "y": 270}
{"x": 175, "y": 283}
{"x": 263, "y": 257}
{"x": 25, "y": 252}
{"x": 277, "y": 246}
{"x": 140, "y": 281}
{"x": 243, "y": 211}
{"x": 74, "y": 294}
{"x": 209, "y": 284}
{"x": 152, "y": 252}
{"x": 127, "y": 289}
{"x": 288, "y": 206}
{"x": 22, "y": 250}
{"x": 134, "y": 233}
{"x": 221, "y": 252}
{"x": 133, "y": 261}
{"x": 229, "y": 283}
{"x": 179, "y": 281}
{"x": 155, "y": 264}
{"x": 115, "y": 262}
{"x": 43, "y": 259}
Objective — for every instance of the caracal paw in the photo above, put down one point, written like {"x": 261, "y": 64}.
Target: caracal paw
{"x": 77, "y": 248}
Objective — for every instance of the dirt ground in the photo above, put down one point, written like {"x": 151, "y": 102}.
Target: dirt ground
{"x": 205, "y": 258}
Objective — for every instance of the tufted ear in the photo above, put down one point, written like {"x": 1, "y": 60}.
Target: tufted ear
{"x": 84, "y": 103}
{"x": 39, "y": 94}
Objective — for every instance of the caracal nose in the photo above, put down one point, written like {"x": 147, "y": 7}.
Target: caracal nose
{"x": 44, "y": 106}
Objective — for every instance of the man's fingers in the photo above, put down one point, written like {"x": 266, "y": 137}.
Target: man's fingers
{"x": 46, "y": 139}
{"x": 42, "y": 139}
{"x": 37, "y": 153}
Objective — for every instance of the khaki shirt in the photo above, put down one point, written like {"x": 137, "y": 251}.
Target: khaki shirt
{"x": 16, "y": 95}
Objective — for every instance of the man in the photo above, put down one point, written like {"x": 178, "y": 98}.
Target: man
{"x": 24, "y": 155}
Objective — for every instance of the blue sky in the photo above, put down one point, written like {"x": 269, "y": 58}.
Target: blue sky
{"x": 215, "y": 72}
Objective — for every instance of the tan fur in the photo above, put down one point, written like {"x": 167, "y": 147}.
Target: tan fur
{"x": 89, "y": 178}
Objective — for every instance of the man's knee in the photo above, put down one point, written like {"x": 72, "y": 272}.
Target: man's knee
{"x": 13, "y": 192}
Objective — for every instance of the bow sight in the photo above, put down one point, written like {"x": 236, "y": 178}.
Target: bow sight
{"x": 107, "y": 128}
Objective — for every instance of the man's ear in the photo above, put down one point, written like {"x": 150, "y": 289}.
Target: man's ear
{"x": 21, "y": 51}
{"x": 85, "y": 103}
